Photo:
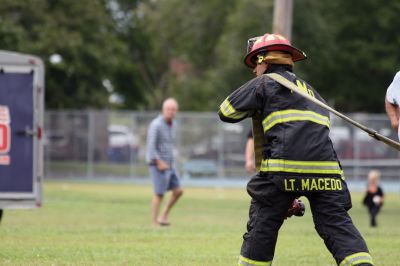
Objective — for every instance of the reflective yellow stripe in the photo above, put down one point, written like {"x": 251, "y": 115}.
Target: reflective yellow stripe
{"x": 357, "y": 258}
{"x": 318, "y": 167}
{"x": 293, "y": 115}
{"x": 228, "y": 110}
{"x": 248, "y": 262}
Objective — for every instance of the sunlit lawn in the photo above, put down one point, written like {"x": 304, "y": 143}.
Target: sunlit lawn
{"x": 109, "y": 224}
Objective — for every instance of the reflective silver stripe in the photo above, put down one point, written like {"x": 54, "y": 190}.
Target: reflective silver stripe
{"x": 357, "y": 258}
{"x": 228, "y": 110}
{"x": 244, "y": 263}
{"x": 293, "y": 115}
{"x": 248, "y": 262}
{"x": 319, "y": 167}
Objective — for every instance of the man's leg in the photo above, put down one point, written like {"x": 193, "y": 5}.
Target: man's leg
{"x": 155, "y": 208}
{"x": 334, "y": 225}
{"x": 177, "y": 192}
{"x": 160, "y": 185}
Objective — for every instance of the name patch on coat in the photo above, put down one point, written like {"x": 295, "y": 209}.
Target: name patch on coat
{"x": 312, "y": 184}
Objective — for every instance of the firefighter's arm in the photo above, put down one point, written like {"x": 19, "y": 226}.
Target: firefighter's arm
{"x": 228, "y": 113}
{"x": 241, "y": 104}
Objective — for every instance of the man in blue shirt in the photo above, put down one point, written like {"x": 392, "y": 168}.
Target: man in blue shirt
{"x": 161, "y": 137}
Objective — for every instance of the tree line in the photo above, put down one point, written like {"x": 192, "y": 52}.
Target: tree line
{"x": 131, "y": 54}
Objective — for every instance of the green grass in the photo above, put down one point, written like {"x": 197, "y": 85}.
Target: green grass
{"x": 105, "y": 168}
{"x": 109, "y": 224}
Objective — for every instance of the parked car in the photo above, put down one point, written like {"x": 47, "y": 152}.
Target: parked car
{"x": 123, "y": 145}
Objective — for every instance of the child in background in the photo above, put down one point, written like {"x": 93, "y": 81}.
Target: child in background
{"x": 374, "y": 196}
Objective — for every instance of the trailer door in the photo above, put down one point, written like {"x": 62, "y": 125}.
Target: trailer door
{"x": 16, "y": 133}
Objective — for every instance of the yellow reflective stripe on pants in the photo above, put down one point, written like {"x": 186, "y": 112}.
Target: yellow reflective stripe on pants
{"x": 293, "y": 115}
{"x": 248, "y": 262}
{"x": 228, "y": 110}
{"x": 317, "y": 167}
{"x": 357, "y": 258}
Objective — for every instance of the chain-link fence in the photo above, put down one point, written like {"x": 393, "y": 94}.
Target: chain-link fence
{"x": 98, "y": 144}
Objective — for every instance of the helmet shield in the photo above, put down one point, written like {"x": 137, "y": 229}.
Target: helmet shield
{"x": 250, "y": 43}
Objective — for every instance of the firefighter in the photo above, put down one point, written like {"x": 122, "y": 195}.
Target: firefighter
{"x": 298, "y": 158}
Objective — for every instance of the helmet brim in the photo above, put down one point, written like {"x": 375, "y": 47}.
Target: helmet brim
{"x": 297, "y": 54}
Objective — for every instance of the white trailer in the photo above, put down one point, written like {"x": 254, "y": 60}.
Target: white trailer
{"x": 21, "y": 130}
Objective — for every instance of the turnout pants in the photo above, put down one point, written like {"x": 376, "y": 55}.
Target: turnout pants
{"x": 329, "y": 209}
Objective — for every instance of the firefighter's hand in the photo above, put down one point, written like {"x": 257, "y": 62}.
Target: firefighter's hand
{"x": 250, "y": 166}
{"x": 297, "y": 209}
{"x": 161, "y": 165}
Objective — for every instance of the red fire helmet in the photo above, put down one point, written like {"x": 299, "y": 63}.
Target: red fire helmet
{"x": 270, "y": 42}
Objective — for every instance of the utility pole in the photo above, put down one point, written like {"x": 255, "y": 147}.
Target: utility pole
{"x": 282, "y": 21}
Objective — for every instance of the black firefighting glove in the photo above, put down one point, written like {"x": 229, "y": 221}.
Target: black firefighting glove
{"x": 297, "y": 209}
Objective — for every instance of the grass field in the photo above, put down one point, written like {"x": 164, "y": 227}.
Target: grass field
{"x": 109, "y": 224}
